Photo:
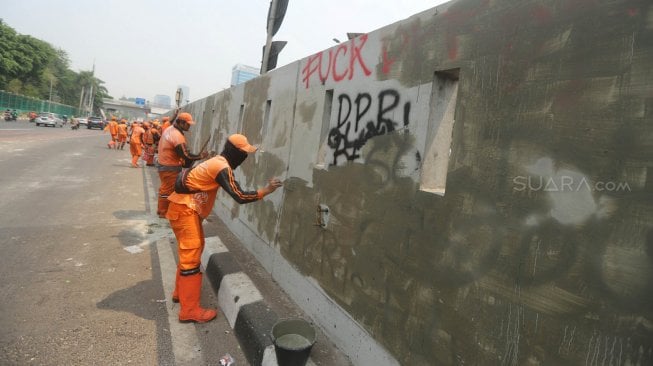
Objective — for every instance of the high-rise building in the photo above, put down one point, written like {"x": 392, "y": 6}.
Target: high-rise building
{"x": 241, "y": 73}
{"x": 162, "y": 101}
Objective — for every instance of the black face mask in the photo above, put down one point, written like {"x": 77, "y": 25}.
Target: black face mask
{"x": 234, "y": 156}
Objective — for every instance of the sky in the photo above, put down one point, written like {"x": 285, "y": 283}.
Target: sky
{"x": 142, "y": 48}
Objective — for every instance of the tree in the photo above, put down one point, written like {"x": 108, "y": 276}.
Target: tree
{"x": 23, "y": 58}
{"x": 15, "y": 86}
{"x": 29, "y": 66}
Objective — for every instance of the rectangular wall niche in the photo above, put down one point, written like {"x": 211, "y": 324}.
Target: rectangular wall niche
{"x": 266, "y": 118}
{"x": 438, "y": 140}
{"x": 241, "y": 114}
{"x": 324, "y": 132}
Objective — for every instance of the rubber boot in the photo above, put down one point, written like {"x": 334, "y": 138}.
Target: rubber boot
{"x": 190, "y": 288}
{"x": 175, "y": 293}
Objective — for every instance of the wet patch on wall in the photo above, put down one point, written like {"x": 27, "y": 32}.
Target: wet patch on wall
{"x": 256, "y": 96}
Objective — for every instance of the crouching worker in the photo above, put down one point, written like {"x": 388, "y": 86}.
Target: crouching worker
{"x": 192, "y": 202}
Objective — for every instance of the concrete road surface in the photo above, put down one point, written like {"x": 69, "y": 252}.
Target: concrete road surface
{"x": 80, "y": 268}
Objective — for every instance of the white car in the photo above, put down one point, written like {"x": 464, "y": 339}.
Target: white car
{"x": 82, "y": 121}
{"x": 48, "y": 119}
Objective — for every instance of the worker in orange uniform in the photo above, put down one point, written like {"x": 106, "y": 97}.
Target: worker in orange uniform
{"x": 156, "y": 133}
{"x": 122, "y": 134}
{"x": 151, "y": 138}
{"x": 148, "y": 144}
{"x": 166, "y": 124}
{"x": 136, "y": 143}
{"x": 173, "y": 155}
{"x": 112, "y": 127}
{"x": 192, "y": 202}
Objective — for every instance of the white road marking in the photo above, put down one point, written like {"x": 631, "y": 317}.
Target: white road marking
{"x": 185, "y": 343}
{"x": 134, "y": 249}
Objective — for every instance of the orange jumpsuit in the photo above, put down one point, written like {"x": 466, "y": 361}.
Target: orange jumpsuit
{"x": 156, "y": 135}
{"x": 136, "y": 144}
{"x": 170, "y": 164}
{"x": 187, "y": 211}
{"x": 122, "y": 135}
{"x": 148, "y": 144}
{"x": 113, "y": 130}
{"x": 193, "y": 201}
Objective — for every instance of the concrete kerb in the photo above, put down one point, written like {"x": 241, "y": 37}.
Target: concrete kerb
{"x": 241, "y": 302}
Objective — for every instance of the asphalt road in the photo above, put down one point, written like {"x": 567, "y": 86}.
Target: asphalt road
{"x": 80, "y": 268}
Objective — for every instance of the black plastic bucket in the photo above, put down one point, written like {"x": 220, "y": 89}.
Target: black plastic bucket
{"x": 293, "y": 340}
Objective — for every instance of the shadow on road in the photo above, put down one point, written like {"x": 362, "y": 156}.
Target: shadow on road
{"x": 140, "y": 300}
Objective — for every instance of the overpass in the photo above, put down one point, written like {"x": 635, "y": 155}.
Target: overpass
{"x": 130, "y": 110}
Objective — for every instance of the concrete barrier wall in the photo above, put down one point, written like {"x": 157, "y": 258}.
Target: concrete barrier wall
{"x": 471, "y": 185}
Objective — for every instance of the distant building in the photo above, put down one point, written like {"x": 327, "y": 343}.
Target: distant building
{"x": 241, "y": 73}
{"x": 162, "y": 101}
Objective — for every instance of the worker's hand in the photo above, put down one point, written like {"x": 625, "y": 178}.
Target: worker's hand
{"x": 204, "y": 154}
{"x": 272, "y": 186}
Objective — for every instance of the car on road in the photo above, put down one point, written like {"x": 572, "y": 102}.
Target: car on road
{"x": 82, "y": 121}
{"x": 95, "y": 122}
{"x": 49, "y": 119}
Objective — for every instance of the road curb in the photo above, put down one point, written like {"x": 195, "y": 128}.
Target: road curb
{"x": 247, "y": 312}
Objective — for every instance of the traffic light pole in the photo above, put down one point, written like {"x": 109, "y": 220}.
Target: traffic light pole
{"x": 268, "y": 43}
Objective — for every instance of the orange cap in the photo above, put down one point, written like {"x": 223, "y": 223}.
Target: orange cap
{"x": 186, "y": 117}
{"x": 166, "y": 118}
{"x": 240, "y": 141}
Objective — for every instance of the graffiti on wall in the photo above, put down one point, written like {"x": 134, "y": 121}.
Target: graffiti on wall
{"x": 337, "y": 64}
{"x": 358, "y": 122}
{"x": 346, "y": 60}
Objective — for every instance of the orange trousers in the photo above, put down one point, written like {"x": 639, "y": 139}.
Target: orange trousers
{"x": 187, "y": 226}
{"x": 167, "y": 180}
{"x": 136, "y": 151}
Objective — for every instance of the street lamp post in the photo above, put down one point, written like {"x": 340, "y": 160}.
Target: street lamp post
{"x": 50, "y": 99}
{"x": 91, "y": 98}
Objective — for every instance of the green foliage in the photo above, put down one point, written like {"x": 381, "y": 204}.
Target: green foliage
{"x": 32, "y": 67}
{"x": 15, "y": 86}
